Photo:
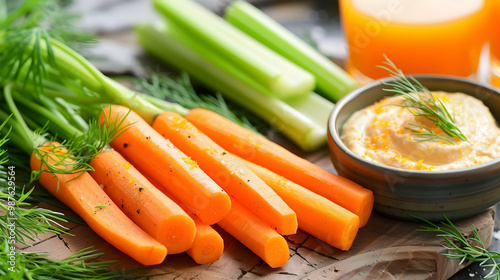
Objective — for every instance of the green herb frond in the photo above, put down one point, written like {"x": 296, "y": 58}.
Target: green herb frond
{"x": 50, "y": 15}
{"x": 26, "y": 34}
{"x": 464, "y": 248}
{"x": 181, "y": 91}
{"x": 53, "y": 16}
{"x": 424, "y": 133}
{"x": 80, "y": 265}
{"x": 5, "y": 137}
{"x": 25, "y": 56}
{"x": 88, "y": 145}
{"x": 74, "y": 155}
{"x": 28, "y": 220}
{"x": 420, "y": 101}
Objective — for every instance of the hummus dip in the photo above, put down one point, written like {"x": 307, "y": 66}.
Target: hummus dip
{"x": 388, "y": 134}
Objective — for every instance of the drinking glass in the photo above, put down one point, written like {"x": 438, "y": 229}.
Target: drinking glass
{"x": 419, "y": 36}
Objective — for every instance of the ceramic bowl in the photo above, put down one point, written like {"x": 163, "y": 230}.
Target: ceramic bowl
{"x": 406, "y": 194}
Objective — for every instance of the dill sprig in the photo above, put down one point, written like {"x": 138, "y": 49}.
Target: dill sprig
{"x": 36, "y": 265}
{"x": 466, "y": 249}
{"x": 424, "y": 133}
{"x": 74, "y": 155}
{"x": 26, "y": 33}
{"x": 181, "y": 91}
{"x": 28, "y": 220}
{"x": 80, "y": 265}
{"x": 3, "y": 157}
{"x": 421, "y": 102}
{"x": 23, "y": 56}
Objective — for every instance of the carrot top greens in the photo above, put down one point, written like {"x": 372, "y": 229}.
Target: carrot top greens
{"x": 79, "y": 143}
{"x": 32, "y": 67}
{"x": 26, "y": 33}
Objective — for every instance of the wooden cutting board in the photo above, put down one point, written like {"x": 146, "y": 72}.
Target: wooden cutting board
{"x": 384, "y": 249}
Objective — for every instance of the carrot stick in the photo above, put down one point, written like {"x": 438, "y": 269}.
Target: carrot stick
{"x": 143, "y": 203}
{"x": 256, "y": 235}
{"x": 83, "y": 195}
{"x": 259, "y": 150}
{"x": 158, "y": 159}
{"x": 316, "y": 215}
{"x": 208, "y": 245}
{"x": 229, "y": 172}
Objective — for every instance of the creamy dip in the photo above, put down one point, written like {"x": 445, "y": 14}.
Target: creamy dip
{"x": 386, "y": 134}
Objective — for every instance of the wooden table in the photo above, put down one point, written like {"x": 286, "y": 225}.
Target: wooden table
{"x": 385, "y": 247}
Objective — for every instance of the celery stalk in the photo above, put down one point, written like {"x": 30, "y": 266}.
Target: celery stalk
{"x": 305, "y": 126}
{"x": 331, "y": 80}
{"x": 283, "y": 78}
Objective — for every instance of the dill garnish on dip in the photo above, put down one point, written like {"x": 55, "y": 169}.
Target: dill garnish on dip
{"x": 418, "y": 129}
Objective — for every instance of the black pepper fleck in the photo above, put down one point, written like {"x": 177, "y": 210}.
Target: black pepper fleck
{"x": 141, "y": 189}
{"x": 125, "y": 145}
{"x": 138, "y": 211}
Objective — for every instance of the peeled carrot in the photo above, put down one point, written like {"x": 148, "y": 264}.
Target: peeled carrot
{"x": 143, "y": 203}
{"x": 259, "y": 150}
{"x": 256, "y": 235}
{"x": 316, "y": 215}
{"x": 208, "y": 245}
{"x": 158, "y": 159}
{"x": 228, "y": 171}
{"x": 83, "y": 195}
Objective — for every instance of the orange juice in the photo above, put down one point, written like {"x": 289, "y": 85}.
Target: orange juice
{"x": 494, "y": 38}
{"x": 419, "y": 36}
